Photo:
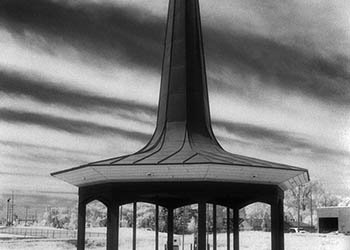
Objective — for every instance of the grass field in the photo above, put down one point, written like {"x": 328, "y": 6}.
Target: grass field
{"x": 248, "y": 241}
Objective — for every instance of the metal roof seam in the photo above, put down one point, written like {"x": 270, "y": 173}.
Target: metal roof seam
{"x": 177, "y": 151}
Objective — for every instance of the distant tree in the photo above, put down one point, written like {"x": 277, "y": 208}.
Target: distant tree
{"x": 163, "y": 218}
{"x": 257, "y": 210}
{"x": 146, "y": 216}
{"x": 182, "y": 218}
{"x": 96, "y": 214}
{"x": 45, "y": 221}
{"x": 56, "y": 217}
{"x": 258, "y": 215}
{"x": 306, "y": 199}
{"x": 344, "y": 202}
{"x": 61, "y": 218}
{"x": 73, "y": 222}
{"x": 126, "y": 215}
{"x": 191, "y": 226}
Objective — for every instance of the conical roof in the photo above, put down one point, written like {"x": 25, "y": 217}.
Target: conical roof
{"x": 183, "y": 146}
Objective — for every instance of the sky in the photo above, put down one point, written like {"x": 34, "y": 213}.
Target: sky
{"x": 79, "y": 82}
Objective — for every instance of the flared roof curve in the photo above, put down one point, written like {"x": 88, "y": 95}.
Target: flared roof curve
{"x": 183, "y": 146}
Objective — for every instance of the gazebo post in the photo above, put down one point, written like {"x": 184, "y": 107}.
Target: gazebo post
{"x": 134, "y": 220}
{"x": 157, "y": 228}
{"x": 235, "y": 228}
{"x": 81, "y": 224}
{"x": 277, "y": 223}
{"x": 112, "y": 226}
{"x": 228, "y": 227}
{"x": 202, "y": 226}
{"x": 214, "y": 228}
{"x": 170, "y": 242}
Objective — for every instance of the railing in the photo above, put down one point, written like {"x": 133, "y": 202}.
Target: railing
{"x": 49, "y": 233}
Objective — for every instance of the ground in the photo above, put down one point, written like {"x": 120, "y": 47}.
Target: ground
{"x": 248, "y": 240}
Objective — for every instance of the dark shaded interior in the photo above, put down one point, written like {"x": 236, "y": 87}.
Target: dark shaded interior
{"x": 172, "y": 195}
{"x": 328, "y": 224}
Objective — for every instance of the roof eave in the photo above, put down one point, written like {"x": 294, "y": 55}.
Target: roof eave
{"x": 296, "y": 177}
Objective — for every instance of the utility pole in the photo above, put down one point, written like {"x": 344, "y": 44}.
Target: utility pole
{"x": 121, "y": 216}
{"x": 298, "y": 200}
{"x": 25, "y": 221}
{"x": 311, "y": 208}
{"x": 8, "y": 212}
{"x": 13, "y": 207}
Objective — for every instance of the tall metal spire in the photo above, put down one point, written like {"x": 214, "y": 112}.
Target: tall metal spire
{"x": 183, "y": 100}
{"x": 183, "y": 95}
{"x": 183, "y": 146}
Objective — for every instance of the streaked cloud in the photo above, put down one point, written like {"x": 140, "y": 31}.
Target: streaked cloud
{"x": 66, "y": 125}
{"x": 105, "y": 30}
{"x": 109, "y": 29}
{"x": 50, "y": 93}
{"x": 282, "y": 141}
{"x": 32, "y": 146}
{"x": 278, "y": 65}
{"x": 79, "y": 81}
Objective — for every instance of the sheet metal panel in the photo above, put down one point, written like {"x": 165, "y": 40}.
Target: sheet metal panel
{"x": 184, "y": 172}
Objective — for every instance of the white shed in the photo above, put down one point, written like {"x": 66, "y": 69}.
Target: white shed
{"x": 333, "y": 219}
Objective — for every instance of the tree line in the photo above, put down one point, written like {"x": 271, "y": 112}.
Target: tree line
{"x": 299, "y": 205}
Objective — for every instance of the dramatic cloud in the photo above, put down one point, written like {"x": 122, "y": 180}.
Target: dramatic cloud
{"x": 37, "y": 147}
{"x": 282, "y": 141}
{"x": 127, "y": 35}
{"x": 79, "y": 81}
{"x": 49, "y": 93}
{"x": 265, "y": 137}
{"x": 23, "y": 174}
{"x": 67, "y": 125}
{"x": 281, "y": 66}
{"x": 105, "y": 30}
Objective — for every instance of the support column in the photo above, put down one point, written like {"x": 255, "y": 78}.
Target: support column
{"x": 157, "y": 227}
{"x": 202, "y": 226}
{"x": 228, "y": 227}
{"x": 277, "y": 224}
{"x": 236, "y": 228}
{"x": 112, "y": 226}
{"x": 134, "y": 218}
{"x": 170, "y": 242}
{"x": 214, "y": 228}
{"x": 81, "y": 225}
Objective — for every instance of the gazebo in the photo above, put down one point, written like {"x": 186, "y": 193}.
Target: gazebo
{"x": 183, "y": 162}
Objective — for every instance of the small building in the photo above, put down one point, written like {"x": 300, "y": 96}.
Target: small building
{"x": 332, "y": 219}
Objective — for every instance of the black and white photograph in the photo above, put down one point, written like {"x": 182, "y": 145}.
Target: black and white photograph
{"x": 174, "y": 125}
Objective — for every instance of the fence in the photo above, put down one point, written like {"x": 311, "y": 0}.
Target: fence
{"x": 49, "y": 233}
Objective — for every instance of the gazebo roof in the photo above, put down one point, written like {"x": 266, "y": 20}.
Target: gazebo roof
{"x": 183, "y": 146}
{"x": 187, "y": 164}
